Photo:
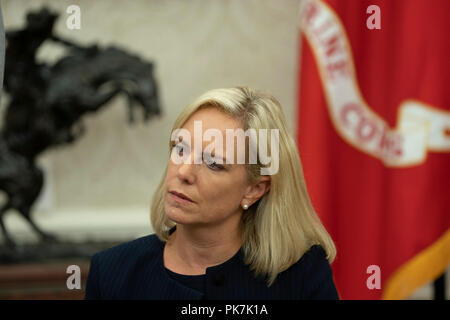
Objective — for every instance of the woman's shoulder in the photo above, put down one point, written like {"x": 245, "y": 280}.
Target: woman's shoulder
{"x": 111, "y": 270}
{"x": 316, "y": 251}
{"x": 316, "y": 274}
{"x": 313, "y": 259}
{"x": 133, "y": 249}
{"x": 312, "y": 265}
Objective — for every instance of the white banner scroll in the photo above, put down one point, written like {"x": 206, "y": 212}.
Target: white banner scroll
{"x": 420, "y": 128}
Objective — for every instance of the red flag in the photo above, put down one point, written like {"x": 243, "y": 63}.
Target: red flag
{"x": 374, "y": 139}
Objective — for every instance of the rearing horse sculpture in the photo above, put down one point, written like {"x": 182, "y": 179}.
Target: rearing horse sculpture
{"x": 47, "y": 103}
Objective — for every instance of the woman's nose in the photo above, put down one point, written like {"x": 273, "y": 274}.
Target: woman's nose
{"x": 187, "y": 171}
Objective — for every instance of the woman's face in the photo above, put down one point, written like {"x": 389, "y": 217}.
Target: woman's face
{"x": 218, "y": 191}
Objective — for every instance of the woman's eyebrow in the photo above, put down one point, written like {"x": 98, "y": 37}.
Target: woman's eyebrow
{"x": 223, "y": 158}
{"x": 182, "y": 142}
{"x": 178, "y": 142}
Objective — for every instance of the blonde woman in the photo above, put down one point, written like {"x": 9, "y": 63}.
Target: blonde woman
{"x": 232, "y": 216}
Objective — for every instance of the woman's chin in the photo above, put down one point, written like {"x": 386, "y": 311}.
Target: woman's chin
{"x": 177, "y": 215}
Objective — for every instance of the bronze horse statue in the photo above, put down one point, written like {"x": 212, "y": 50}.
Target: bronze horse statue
{"x": 47, "y": 103}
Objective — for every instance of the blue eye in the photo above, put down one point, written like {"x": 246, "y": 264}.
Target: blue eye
{"x": 179, "y": 149}
{"x": 213, "y": 165}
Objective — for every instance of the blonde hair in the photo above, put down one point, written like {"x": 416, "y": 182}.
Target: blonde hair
{"x": 282, "y": 225}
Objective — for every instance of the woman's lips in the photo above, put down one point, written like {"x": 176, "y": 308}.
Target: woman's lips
{"x": 179, "y": 197}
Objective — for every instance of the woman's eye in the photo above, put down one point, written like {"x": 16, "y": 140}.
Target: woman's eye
{"x": 179, "y": 150}
{"x": 214, "y": 166}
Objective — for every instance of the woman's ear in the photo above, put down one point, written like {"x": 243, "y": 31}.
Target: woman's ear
{"x": 257, "y": 190}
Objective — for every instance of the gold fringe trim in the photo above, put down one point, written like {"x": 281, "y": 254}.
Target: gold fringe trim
{"x": 420, "y": 270}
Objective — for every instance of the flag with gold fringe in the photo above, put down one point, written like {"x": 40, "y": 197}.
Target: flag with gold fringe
{"x": 374, "y": 138}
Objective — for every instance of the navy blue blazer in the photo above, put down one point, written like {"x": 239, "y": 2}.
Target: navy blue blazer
{"x": 135, "y": 270}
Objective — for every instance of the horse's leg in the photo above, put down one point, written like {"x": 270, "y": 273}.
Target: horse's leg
{"x": 7, "y": 238}
{"x": 45, "y": 236}
{"x": 28, "y": 195}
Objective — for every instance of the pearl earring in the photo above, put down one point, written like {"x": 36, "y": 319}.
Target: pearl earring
{"x": 245, "y": 206}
